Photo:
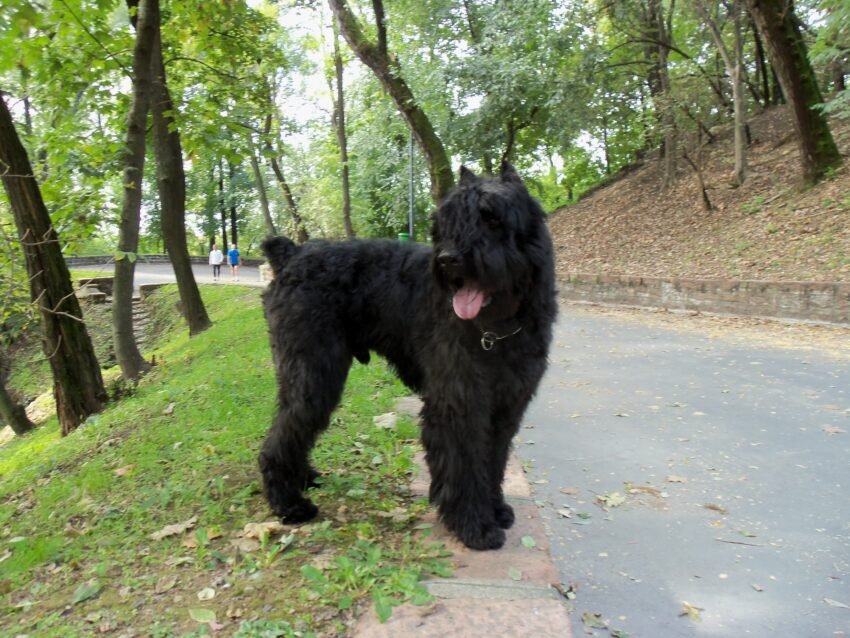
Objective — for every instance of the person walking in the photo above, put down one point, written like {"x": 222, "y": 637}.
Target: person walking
{"x": 216, "y": 259}
{"x": 235, "y": 260}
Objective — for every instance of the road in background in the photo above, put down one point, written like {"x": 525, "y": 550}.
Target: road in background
{"x": 164, "y": 273}
{"x": 693, "y": 485}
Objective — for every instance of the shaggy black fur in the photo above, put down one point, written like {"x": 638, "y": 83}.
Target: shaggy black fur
{"x": 467, "y": 325}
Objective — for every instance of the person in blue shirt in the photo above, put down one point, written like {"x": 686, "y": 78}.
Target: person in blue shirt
{"x": 235, "y": 260}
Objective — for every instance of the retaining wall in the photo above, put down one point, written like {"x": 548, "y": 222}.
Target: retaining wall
{"x": 811, "y": 301}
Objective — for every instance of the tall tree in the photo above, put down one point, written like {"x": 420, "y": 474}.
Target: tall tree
{"x": 261, "y": 192}
{"x": 734, "y": 62}
{"x": 77, "y": 381}
{"x": 171, "y": 182}
{"x": 780, "y": 31}
{"x": 376, "y": 56}
{"x": 127, "y": 352}
{"x": 292, "y": 206}
{"x": 341, "y": 136}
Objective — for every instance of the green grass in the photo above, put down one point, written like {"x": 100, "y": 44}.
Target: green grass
{"x": 76, "y": 514}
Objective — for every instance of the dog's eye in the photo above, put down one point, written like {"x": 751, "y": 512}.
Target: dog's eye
{"x": 491, "y": 218}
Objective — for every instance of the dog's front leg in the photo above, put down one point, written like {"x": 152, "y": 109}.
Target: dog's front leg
{"x": 457, "y": 446}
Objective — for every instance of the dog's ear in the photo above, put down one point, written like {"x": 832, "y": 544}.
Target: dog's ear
{"x": 466, "y": 175}
{"x": 509, "y": 173}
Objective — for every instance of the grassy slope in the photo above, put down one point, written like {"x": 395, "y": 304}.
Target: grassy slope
{"x": 76, "y": 514}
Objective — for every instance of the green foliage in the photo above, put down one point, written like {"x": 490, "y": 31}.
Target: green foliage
{"x": 561, "y": 89}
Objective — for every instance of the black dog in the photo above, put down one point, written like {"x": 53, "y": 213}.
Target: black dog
{"x": 466, "y": 324}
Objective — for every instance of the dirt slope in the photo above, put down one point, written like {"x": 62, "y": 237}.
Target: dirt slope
{"x": 766, "y": 230}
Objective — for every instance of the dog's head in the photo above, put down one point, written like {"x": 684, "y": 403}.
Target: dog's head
{"x": 491, "y": 246}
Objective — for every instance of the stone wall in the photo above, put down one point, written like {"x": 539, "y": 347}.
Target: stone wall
{"x": 812, "y": 301}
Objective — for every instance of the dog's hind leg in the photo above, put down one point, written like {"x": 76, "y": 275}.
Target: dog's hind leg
{"x": 311, "y": 386}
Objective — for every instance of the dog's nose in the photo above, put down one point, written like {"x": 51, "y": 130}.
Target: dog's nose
{"x": 448, "y": 259}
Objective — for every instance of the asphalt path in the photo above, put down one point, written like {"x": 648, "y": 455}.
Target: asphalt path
{"x": 164, "y": 273}
{"x": 693, "y": 485}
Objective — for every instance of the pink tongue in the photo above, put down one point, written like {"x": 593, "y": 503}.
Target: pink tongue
{"x": 467, "y": 302}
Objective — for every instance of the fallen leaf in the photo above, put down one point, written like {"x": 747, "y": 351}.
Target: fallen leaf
{"x": 168, "y": 410}
{"x": 260, "y": 530}
{"x": 124, "y": 471}
{"x": 676, "y": 479}
{"x": 593, "y": 620}
{"x": 514, "y": 573}
{"x": 528, "y": 541}
{"x": 833, "y": 430}
{"x": 692, "y": 611}
{"x": 386, "y": 421}
{"x": 614, "y": 499}
{"x": 174, "y": 530}
{"x": 643, "y": 489}
{"x": 86, "y": 590}
{"x": 246, "y": 545}
{"x": 715, "y": 508}
{"x": 565, "y": 513}
{"x": 207, "y": 593}
{"x": 569, "y": 491}
{"x": 206, "y": 616}
{"x": 164, "y": 584}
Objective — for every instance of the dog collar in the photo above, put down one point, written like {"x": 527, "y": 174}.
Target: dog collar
{"x": 489, "y": 339}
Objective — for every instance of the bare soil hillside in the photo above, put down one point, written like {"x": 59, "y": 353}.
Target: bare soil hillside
{"x": 768, "y": 229}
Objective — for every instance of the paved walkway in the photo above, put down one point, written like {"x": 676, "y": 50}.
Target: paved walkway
{"x": 164, "y": 273}
{"x": 693, "y": 474}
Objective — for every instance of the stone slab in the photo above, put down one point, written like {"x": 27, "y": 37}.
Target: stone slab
{"x": 471, "y": 618}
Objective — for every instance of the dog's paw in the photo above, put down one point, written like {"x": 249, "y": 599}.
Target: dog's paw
{"x": 484, "y": 538}
{"x": 299, "y": 512}
{"x": 504, "y": 514}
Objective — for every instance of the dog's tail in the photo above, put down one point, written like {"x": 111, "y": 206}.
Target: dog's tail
{"x": 278, "y": 250}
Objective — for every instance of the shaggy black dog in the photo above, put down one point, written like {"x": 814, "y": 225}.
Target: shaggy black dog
{"x": 466, "y": 324}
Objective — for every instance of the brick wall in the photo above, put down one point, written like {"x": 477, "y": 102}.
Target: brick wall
{"x": 814, "y": 301}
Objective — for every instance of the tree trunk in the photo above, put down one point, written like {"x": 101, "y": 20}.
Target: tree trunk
{"x": 762, "y": 70}
{"x": 77, "y": 381}
{"x": 234, "y": 230}
{"x": 171, "y": 181}
{"x": 222, "y": 206}
{"x": 261, "y": 191}
{"x": 780, "y": 31}
{"x": 127, "y": 352}
{"x": 387, "y": 70}
{"x": 341, "y": 136}
{"x": 14, "y": 414}
{"x": 734, "y": 63}
{"x": 297, "y": 221}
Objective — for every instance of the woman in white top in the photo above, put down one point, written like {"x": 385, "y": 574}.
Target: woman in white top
{"x": 216, "y": 258}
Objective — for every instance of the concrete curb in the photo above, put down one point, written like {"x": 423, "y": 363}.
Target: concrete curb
{"x": 509, "y": 592}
